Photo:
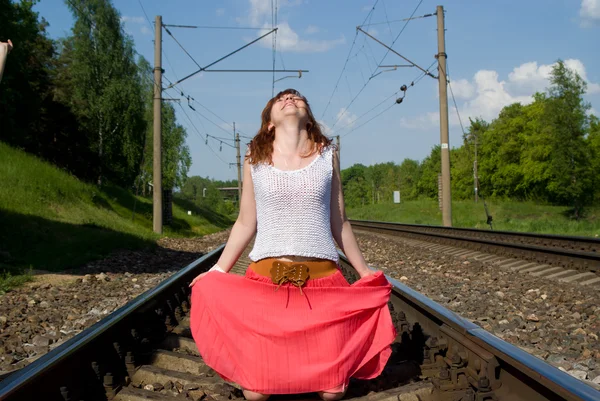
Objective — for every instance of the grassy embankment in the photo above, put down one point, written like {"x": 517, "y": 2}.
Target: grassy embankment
{"x": 507, "y": 216}
{"x": 49, "y": 220}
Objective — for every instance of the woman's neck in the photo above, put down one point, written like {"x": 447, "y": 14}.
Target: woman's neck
{"x": 291, "y": 139}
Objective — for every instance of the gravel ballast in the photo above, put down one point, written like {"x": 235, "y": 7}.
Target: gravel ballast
{"x": 557, "y": 322}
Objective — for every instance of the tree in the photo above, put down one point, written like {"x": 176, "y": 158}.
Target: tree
{"x": 410, "y": 174}
{"x": 593, "y": 140}
{"x": 566, "y": 116}
{"x": 105, "y": 89}
{"x": 355, "y": 187}
{"x": 431, "y": 167}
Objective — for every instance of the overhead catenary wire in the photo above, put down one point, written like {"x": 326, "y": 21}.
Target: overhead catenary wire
{"x": 346, "y": 62}
{"x": 182, "y": 48}
{"x": 198, "y": 132}
{"x": 221, "y": 140}
{"x": 412, "y": 84}
{"x": 369, "y": 120}
{"x": 174, "y": 87}
{"x": 345, "y": 109}
{"x": 164, "y": 52}
{"x": 398, "y": 20}
{"x": 453, "y": 99}
{"x": 217, "y": 27}
{"x": 386, "y": 19}
{"x": 224, "y": 57}
{"x": 83, "y": 14}
{"x": 367, "y": 112}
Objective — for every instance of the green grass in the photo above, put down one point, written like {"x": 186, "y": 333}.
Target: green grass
{"x": 49, "y": 220}
{"x": 507, "y": 216}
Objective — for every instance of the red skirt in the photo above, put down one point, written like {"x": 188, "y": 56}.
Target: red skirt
{"x": 288, "y": 342}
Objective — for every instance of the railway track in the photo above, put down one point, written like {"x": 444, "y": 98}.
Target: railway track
{"x": 144, "y": 351}
{"x": 571, "y": 259}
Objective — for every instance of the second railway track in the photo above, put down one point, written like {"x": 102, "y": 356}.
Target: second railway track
{"x": 569, "y": 256}
{"x": 144, "y": 351}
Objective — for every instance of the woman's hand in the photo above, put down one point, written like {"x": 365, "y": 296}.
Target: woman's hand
{"x": 9, "y": 45}
{"x": 367, "y": 272}
{"x": 214, "y": 268}
{"x": 198, "y": 277}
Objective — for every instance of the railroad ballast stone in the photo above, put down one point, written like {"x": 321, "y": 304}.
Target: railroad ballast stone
{"x": 558, "y": 322}
{"x": 555, "y": 321}
{"x": 40, "y": 316}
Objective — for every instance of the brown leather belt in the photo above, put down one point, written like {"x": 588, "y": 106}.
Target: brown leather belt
{"x": 295, "y": 273}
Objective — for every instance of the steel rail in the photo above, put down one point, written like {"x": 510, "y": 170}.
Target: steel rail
{"x": 526, "y": 376}
{"x": 28, "y": 375}
{"x": 513, "y": 374}
{"x": 554, "y": 237}
{"x": 589, "y": 260}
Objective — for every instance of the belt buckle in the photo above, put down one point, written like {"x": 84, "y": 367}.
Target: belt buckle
{"x": 293, "y": 273}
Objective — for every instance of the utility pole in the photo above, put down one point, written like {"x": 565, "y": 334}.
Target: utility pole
{"x": 444, "y": 137}
{"x": 239, "y": 166}
{"x": 337, "y": 142}
{"x": 157, "y": 210}
{"x": 475, "y": 177}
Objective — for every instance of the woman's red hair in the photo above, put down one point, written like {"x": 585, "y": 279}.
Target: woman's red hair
{"x": 260, "y": 148}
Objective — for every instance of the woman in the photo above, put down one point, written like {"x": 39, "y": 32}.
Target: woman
{"x": 293, "y": 324}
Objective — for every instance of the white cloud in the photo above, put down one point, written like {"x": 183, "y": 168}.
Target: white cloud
{"x": 311, "y": 29}
{"x": 287, "y": 38}
{"x": 589, "y": 12}
{"x": 423, "y": 121}
{"x": 486, "y": 94}
{"x": 372, "y": 31}
{"x": 324, "y": 127}
{"x": 260, "y": 10}
{"x": 220, "y": 11}
{"x": 135, "y": 20}
{"x": 529, "y": 77}
{"x": 462, "y": 89}
{"x": 345, "y": 119}
{"x": 491, "y": 96}
{"x": 139, "y": 21}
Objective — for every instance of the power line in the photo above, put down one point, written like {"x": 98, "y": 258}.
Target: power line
{"x": 86, "y": 16}
{"x": 152, "y": 27}
{"x": 182, "y": 48}
{"x": 413, "y": 83}
{"x": 147, "y": 19}
{"x": 453, "y": 99}
{"x": 369, "y": 120}
{"x": 217, "y": 27}
{"x": 173, "y": 87}
{"x": 398, "y": 20}
{"x": 386, "y": 19}
{"x": 197, "y": 131}
{"x": 226, "y": 56}
{"x": 346, "y": 62}
{"x": 372, "y": 76}
{"x": 367, "y": 112}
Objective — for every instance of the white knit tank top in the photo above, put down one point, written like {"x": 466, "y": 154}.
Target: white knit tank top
{"x": 293, "y": 210}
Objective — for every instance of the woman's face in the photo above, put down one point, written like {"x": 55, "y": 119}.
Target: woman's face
{"x": 289, "y": 106}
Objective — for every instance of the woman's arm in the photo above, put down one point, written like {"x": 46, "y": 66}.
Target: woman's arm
{"x": 340, "y": 226}
{"x": 5, "y": 48}
{"x": 244, "y": 228}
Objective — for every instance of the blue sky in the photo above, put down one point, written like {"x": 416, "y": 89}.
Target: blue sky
{"x": 499, "y": 52}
